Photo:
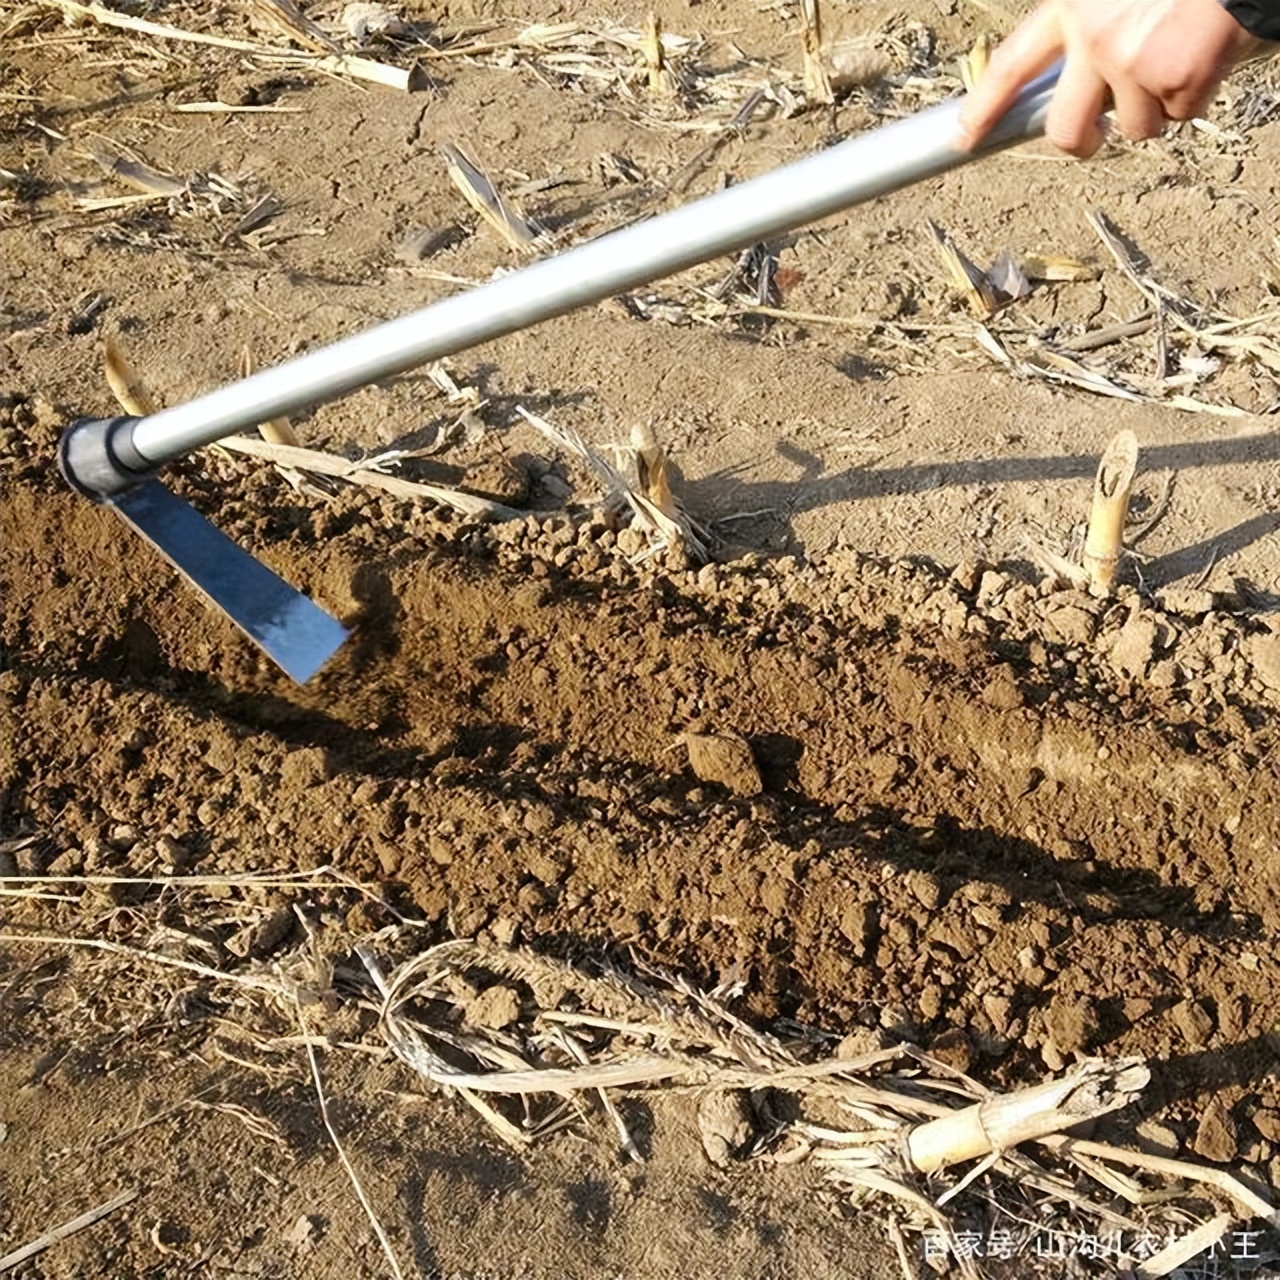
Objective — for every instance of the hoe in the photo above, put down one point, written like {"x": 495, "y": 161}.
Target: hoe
{"x": 114, "y": 460}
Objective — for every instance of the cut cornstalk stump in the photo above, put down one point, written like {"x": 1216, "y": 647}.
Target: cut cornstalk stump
{"x": 999, "y": 1123}
{"x": 1111, "y": 490}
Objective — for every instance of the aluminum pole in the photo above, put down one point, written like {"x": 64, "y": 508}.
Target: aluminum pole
{"x": 862, "y": 168}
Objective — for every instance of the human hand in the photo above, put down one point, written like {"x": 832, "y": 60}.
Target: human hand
{"x": 1157, "y": 60}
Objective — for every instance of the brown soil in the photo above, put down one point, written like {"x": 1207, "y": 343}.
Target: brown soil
{"x": 1012, "y": 824}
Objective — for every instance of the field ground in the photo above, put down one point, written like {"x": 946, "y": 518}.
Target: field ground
{"x": 1011, "y": 824}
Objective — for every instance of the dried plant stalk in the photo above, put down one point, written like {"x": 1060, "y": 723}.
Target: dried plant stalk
{"x": 132, "y": 393}
{"x": 338, "y": 63}
{"x": 1052, "y": 267}
{"x": 287, "y": 18}
{"x": 817, "y": 85}
{"x": 366, "y": 473}
{"x": 1111, "y": 491}
{"x": 277, "y": 430}
{"x": 41, "y": 1243}
{"x": 653, "y": 56}
{"x": 974, "y": 65}
{"x": 485, "y": 198}
{"x": 965, "y": 276}
{"x": 1000, "y": 1123}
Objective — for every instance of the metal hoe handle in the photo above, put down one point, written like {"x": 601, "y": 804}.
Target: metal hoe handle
{"x": 101, "y": 457}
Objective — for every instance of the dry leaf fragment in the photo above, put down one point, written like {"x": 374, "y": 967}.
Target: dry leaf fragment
{"x": 485, "y": 198}
{"x": 726, "y": 759}
{"x": 126, "y": 383}
{"x": 1008, "y": 278}
{"x": 1051, "y": 267}
{"x": 142, "y": 177}
{"x": 964, "y": 275}
{"x": 974, "y": 65}
{"x": 286, "y": 17}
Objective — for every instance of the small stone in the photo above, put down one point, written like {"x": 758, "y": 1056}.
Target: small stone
{"x": 990, "y": 587}
{"x": 1073, "y": 1022}
{"x": 1193, "y": 1020}
{"x": 930, "y": 1002}
{"x": 1002, "y": 691}
{"x": 1189, "y": 601}
{"x": 1136, "y": 1008}
{"x": 1000, "y": 1011}
{"x": 726, "y": 1124}
{"x": 855, "y": 924}
{"x": 966, "y": 576}
{"x": 499, "y": 479}
{"x": 986, "y": 917}
{"x": 539, "y": 818}
{"x": 388, "y": 857}
{"x": 123, "y": 837}
{"x": 954, "y": 620}
{"x": 494, "y": 1008}
{"x": 724, "y": 758}
{"x": 271, "y": 933}
{"x": 860, "y": 1042}
{"x": 631, "y": 541}
{"x": 1217, "y": 1136}
{"x": 505, "y": 930}
{"x": 70, "y": 862}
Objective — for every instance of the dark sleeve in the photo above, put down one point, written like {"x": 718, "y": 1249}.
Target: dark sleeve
{"x": 1260, "y": 18}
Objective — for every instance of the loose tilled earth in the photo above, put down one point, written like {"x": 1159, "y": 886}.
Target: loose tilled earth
{"x": 1011, "y": 823}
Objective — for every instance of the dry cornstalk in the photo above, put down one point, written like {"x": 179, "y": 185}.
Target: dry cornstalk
{"x": 132, "y": 393}
{"x": 817, "y": 85}
{"x": 286, "y": 17}
{"x": 1001, "y": 1122}
{"x": 655, "y": 62}
{"x": 669, "y": 527}
{"x": 346, "y": 64}
{"x": 966, "y": 277}
{"x": 974, "y": 65}
{"x": 366, "y": 473}
{"x": 485, "y": 198}
{"x": 41, "y": 1243}
{"x": 1194, "y": 1243}
{"x": 277, "y": 430}
{"x": 1103, "y": 542}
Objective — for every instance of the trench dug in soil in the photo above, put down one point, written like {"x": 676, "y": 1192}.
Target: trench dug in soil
{"x": 987, "y": 819}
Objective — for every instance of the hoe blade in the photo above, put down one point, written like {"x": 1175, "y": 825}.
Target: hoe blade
{"x": 298, "y": 636}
